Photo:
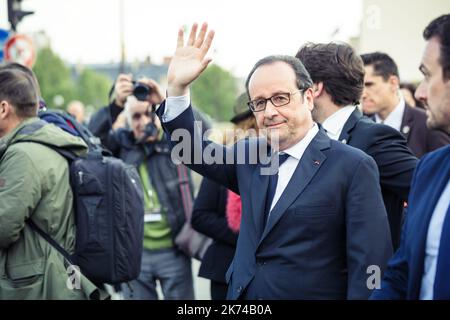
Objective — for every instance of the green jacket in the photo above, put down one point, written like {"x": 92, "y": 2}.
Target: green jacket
{"x": 34, "y": 184}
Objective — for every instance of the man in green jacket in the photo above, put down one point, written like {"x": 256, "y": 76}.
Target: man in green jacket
{"x": 34, "y": 184}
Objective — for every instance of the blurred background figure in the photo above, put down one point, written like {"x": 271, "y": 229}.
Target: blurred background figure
{"x": 217, "y": 211}
{"x": 381, "y": 100}
{"x": 76, "y": 109}
{"x": 408, "y": 89}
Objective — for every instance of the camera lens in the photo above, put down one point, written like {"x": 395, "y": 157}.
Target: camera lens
{"x": 141, "y": 91}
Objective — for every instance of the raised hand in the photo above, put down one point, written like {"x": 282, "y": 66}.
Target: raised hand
{"x": 189, "y": 60}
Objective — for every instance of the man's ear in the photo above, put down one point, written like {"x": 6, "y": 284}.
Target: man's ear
{"x": 318, "y": 89}
{"x": 5, "y": 109}
{"x": 394, "y": 81}
{"x": 308, "y": 96}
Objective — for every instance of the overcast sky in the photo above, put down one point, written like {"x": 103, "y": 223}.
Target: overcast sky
{"x": 87, "y": 31}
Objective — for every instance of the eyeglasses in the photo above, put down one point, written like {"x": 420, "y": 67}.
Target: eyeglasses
{"x": 137, "y": 116}
{"x": 278, "y": 100}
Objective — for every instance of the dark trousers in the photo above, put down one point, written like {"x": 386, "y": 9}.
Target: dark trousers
{"x": 218, "y": 290}
{"x": 173, "y": 271}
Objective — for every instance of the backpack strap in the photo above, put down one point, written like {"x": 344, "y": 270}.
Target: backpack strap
{"x": 33, "y": 127}
{"x": 70, "y": 156}
{"x": 68, "y": 123}
{"x": 50, "y": 240}
{"x": 185, "y": 189}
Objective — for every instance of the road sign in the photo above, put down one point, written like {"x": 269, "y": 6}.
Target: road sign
{"x": 4, "y": 34}
{"x": 19, "y": 48}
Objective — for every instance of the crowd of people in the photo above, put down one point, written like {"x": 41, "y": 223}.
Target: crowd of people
{"x": 361, "y": 181}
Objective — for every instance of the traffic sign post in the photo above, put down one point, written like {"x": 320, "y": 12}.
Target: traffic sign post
{"x": 19, "y": 48}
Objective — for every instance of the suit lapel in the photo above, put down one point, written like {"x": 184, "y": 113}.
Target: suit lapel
{"x": 308, "y": 166}
{"x": 349, "y": 125}
{"x": 259, "y": 184}
{"x": 407, "y": 122}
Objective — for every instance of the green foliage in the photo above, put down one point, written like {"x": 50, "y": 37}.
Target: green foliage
{"x": 55, "y": 78}
{"x": 93, "y": 88}
{"x": 215, "y": 92}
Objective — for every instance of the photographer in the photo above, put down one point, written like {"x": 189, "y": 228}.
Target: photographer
{"x": 136, "y": 137}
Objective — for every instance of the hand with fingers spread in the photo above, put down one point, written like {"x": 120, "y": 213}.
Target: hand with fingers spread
{"x": 189, "y": 60}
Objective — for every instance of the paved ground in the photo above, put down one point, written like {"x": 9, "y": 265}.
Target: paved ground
{"x": 201, "y": 285}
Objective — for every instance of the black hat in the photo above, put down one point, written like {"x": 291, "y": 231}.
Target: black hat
{"x": 241, "y": 110}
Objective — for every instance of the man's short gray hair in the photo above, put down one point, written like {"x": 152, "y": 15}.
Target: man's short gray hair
{"x": 131, "y": 100}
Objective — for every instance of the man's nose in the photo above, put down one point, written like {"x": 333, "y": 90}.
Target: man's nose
{"x": 270, "y": 110}
{"x": 421, "y": 93}
{"x": 364, "y": 94}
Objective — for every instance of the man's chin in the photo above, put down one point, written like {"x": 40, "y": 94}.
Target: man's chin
{"x": 369, "y": 108}
{"x": 431, "y": 124}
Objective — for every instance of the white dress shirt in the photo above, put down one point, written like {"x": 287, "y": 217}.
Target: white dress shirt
{"x": 335, "y": 123}
{"x": 177, "y": 105}
{"x": 432, "y": 244}
{"x": 394, "y": 119}
{"x": 286, "y": 170}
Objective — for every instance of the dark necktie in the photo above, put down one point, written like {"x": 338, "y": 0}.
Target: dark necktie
{"x": 442, "y": 279}
{"x": 273, "y": 180}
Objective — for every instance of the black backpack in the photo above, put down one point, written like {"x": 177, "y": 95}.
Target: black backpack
{"x": 109, "y": 211}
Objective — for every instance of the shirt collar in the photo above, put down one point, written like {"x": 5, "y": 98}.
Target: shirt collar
{"x": 335, "y": 123}
{"x": 394, "y": 119}
{"x": 297, "y": 150}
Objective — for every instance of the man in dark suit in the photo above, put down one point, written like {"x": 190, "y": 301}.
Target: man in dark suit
{"x": 382, "y": 100}
{"x": 315, "y": 228}
{"x": 338, "y": 76}
{"x": 420, "y": 268}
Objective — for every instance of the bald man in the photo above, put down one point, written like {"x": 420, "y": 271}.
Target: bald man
{"x": 76, "y": 109}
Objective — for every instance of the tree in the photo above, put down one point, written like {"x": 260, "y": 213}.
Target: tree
{"x": 215, "y": 92}
{"x": 93, "y": 88}
{"x": 54, "y": 77}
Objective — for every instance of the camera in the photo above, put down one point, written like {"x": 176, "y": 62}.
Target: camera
{"x": 150, "y": 129}
{"x": 141, "y": 91}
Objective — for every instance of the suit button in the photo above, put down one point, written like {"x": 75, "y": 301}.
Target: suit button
{"x": 239, "y": 289}
{"x": 261, "y": 262}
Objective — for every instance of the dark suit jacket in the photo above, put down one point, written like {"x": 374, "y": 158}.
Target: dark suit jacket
{"x": 404, "y": 276}
{"x": 209, "y": 218}
{"x": 327, "y": 228}
{"x": 394, "y": 159}
{"x": 420, "y": 139}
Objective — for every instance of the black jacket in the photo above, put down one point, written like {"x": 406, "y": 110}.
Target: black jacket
{"x": 394, "y": 159}
{"x": 209, "y": 218}
{"x": 420, "y": 139}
